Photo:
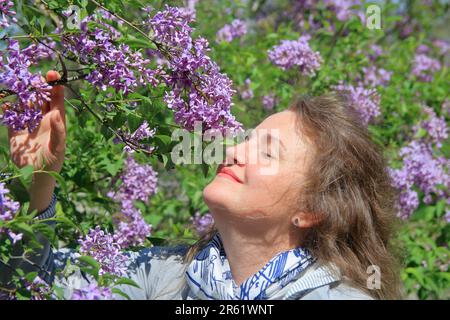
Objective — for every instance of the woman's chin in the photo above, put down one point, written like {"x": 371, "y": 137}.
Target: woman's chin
{"x": 219, "y": 194}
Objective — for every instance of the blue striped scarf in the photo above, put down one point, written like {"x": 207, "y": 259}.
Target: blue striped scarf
{"x": 209, "y": 275}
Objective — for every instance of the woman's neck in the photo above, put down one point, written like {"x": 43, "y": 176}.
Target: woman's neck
{"x": 249, "y": 253}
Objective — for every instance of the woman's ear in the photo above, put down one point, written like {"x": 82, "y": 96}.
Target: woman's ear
{"x": 306, "y": 220}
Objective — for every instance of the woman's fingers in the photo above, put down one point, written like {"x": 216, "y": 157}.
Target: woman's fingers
{"x": 57, "y": 94}
{"x": 57, "y": 133}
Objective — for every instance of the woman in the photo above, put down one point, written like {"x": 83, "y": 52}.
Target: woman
{"x": 318, "y": 228}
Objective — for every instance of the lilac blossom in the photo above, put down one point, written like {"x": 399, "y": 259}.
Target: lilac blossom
{"x": 199, "y": 91}
{"x": 139, "y": 182}
{"x": 141, "y": 133}
{"x": 105, "y": 249}
{"x": 31, "y": 89}
{"x": 8, "y": 209}
{"x": 374, "y": 76}
{"x": 296, "y": 53}
{"x": 422, "y": 170}
{"x": 131, "y": 227}
{"x": 343, "y": 9}
{"x": 375, "y": 52}
{"x": 6, "y": 14}
{"x": 202, "y": 223}
{"x": 365, "y": 101}
{"x": 228, "y": 32}
{"x": 442, "y": 45}
{"x": 116, "y": 66}
{"x": 435, "y": 126}
{"x": 39, "y": 289}
{"x": 92, "y": 292}
{"x": 268, "y": 101}
{"x": 247, "y": 92}
{"x": 424, "y": 67}
{"x": 422, "y": 49}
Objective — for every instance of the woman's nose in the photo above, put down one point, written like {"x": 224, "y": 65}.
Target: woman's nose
{"x": 236, "y": 154}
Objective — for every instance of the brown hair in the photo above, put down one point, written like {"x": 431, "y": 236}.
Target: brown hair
{"x": 349, "y": 186}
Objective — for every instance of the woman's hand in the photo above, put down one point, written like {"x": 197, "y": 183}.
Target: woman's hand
{"x": 44, "y": 147}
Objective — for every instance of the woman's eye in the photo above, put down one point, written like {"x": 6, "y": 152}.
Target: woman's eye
{"x": 268, "y": 155}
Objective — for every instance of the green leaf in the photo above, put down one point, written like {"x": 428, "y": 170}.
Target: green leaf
{"x": 90, "y": 261}
{"x": 121, "y": 293}
{"x": 126, "y": 281}
{"x": 93, "y": 267}
{"x": 26, "y": 174}
{"x": 60, "y": 180}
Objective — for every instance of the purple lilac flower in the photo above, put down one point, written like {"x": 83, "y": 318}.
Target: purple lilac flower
{"x": 425, "y": 67}
{"x": 199, "y": 92}
{"x": 202, "y": 223}
{"x": 247, "y": 93}
{"x": 374, "y": 76}
{"x": 436, "y": 127}
{"x": 6, "y": 13}
{"x": 375, "y": 52}
{"x": 141, "y": 133}
{"x": 92, "y": 292}
{"x": 8, "y": 209}
{"x": 228, "y": 32}
{"x": 39, "y": 289}
{"x": 130, "y": 226}
{"x": 422, "y": 170}
{"x": 343, "y": 9}
{"x": 268, "y": 101}
{"x": 139, "y": 182}
{"x": 422, "y": 49}
{"x": 31, "y": 89}
{"x": 116, "y": 66}
{"x": 444, "y": 46}
{"x": 296, "y": 53}
{"x": 365, "y": 101}
{"x": 105, "y": 249}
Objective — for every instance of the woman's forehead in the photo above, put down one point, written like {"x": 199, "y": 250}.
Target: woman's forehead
{"x": 284, "y": 125}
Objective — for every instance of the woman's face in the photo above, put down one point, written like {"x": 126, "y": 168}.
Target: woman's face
{"x": 268, "y": 166}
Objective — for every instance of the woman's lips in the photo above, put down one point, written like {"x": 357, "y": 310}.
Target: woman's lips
{"x": 229, "y": 174}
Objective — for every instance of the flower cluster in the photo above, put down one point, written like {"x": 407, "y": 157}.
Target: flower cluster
{"x": 6, "y": 13}
{"x": 269, "y": 101}
{"x": 425, "y": 67}
{"x": 112, "y": 65}
{"x": 374, "y": 76}
{"x": 365, "y": 101}
{"x": 105, "y": 249}
{"x": 31, "y": 89}
{"x": 92, "y": 292}
{"x": 202, "y": 223}
{"x": 442, "y": 45}
{"x": 200, "y": 92}
{"x": 139, "y": 182}
{"x": 296, "y": 53}
{"x": 424, "y": 171}
{"x": 141, "y": 133}
{"x": 435, "y": 126}
{"x": 344, "y": 10}
{"x": 228, "y": 32}
{"x": 247, "y": 93}
{"x": 8, "y": 208}
{"x": 39, "y": 289}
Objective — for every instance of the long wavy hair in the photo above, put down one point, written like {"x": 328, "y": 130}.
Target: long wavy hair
{"x": 349, "y": 186}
